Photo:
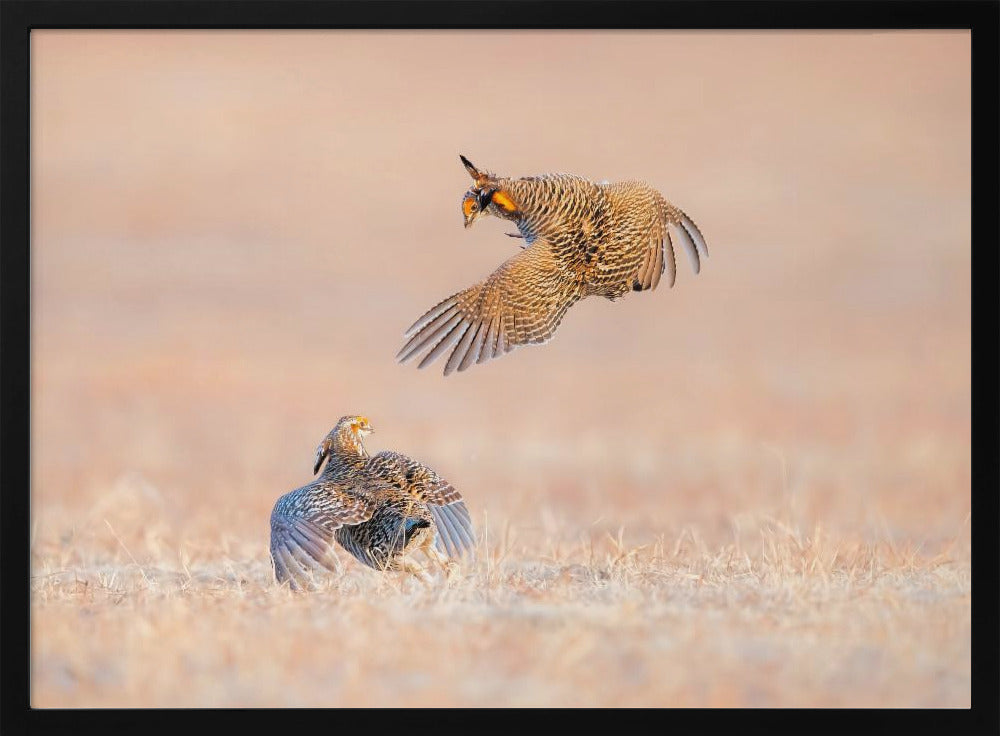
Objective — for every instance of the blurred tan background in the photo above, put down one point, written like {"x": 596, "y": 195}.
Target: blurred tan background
{"x": 231, "y": 230}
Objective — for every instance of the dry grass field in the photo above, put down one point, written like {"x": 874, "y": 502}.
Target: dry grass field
{"x": 752, "y": 489}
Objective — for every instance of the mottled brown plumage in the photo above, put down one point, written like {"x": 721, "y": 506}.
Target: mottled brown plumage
{"x": 379, "y": 508}
{"x": 580, "y": 239}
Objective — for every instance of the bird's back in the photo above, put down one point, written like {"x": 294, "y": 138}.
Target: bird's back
{"x": 431, "y": 494}
{"x": 599, "y": 232}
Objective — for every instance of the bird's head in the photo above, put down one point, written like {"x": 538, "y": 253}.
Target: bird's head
{"x": 474, "y": 204}
{"x": 345, "y": 439}
{"x": 485, "y": 197}
{"x": 359, "y": 425}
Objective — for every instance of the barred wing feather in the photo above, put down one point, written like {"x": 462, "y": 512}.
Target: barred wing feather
{"x": 521, "y": 303}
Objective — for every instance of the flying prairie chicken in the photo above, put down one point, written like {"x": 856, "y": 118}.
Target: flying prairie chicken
{"x": 378, "y": 508}
{"x": 580, "y": 239}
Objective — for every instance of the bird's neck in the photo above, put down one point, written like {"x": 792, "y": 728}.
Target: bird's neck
{"x": 347, "y": 446}
{"x": 546, "y": 204}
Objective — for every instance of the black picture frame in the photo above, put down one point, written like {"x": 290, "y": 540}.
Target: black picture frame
{"x": 20, "y": 18}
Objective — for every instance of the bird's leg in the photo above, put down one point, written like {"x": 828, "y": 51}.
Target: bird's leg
{"x": 448, "y": 566}
{"x": 416, "y": 570}
{"x": 516, "y": 235}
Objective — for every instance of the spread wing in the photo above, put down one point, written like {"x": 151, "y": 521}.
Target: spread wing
{"x": 521, "y": 303}
{"x": 454, "y": 524}
{"x": 303, "y": 523}
{"x": 659, "y": 255}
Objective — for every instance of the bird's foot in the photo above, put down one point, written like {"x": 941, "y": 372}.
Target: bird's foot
{"x": 417, "y": 571}
{"x": 447, "y": 565}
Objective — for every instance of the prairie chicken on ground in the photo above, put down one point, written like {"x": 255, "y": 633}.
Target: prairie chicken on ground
{"x": 378, "y": 508}
{"x": 580, "y": 239}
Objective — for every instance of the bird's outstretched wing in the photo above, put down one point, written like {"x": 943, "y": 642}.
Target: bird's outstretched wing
{"x": 303, "y": 523}
{"x": 660, "y": 250}
{"x": 520, "y": 303}
{"x": 456, "y": 536}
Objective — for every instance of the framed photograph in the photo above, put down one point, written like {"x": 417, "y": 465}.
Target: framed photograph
{"x": 594, "y": 361}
